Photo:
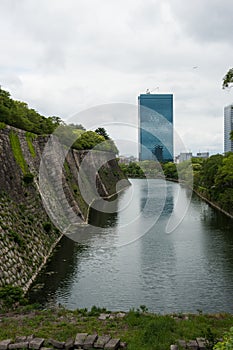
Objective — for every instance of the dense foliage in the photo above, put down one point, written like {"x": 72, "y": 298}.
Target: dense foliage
{"x": 19, "y": 115}
{"x": 215, "y": 180}
{"x": 228, "y": 79}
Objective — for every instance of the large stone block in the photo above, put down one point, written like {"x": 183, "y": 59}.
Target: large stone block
{"x": 22, "y": 345}
{"x": 36, "y": 343}
{"x": 79, "y": 340}
{"x": 4, "y": 344}
{"x": 113, "y": 344}
{"x": 101, "y": 341}
{"x": 89, "y": 341}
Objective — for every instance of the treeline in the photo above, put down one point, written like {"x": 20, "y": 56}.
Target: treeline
{"x": 212, "y": 177}
{"x": 150, "y": 169}
{"x": 19, "y": 115}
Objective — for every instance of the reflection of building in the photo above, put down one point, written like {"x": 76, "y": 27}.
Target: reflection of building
{"x": 228, "y": 127}
{"x": 155, "y": 112}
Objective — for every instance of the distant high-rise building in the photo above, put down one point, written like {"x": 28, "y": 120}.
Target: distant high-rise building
{"x": 155, "y": 112}
{"x": 184, "y": 156}
{"x": 204, "y": 155}
{"x": 228, "y": 127}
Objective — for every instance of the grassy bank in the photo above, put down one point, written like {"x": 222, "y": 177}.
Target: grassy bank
{"x": 141, "y": 330}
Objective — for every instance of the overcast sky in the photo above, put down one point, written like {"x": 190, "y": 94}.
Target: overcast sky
{"x": 64, "y": 56}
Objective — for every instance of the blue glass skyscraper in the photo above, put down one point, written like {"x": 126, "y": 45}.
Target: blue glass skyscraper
{"x": 155, "y": 112}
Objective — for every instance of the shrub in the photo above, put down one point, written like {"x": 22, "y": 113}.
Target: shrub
{"x": 16, "y": 238}
{"x": 47, "y": 226}
{"x": 10, "y": 295}
{"x": 2, "y": 125}
{"x": 28, "y": 178}
{"x": 227, "y": 343}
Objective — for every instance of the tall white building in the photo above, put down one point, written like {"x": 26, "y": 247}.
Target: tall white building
{"x": 228, "y": 127}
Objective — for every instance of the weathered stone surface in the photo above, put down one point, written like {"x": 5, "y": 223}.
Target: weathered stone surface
{"x": 173, "y": 347}
{"x": 36, "y": 343}
{"x": 123, "y": 345}
{"x": 201, "y": 343}
{"x": 192, "y": 344}
{"x": 89, "y": 341}
{"x": 79, "y": 340}
{"x": 103, "y": 317}
{"x": 30, "y": 337}
{"x": 22, "y": 345}
{"x": 69, "y": 344}
{"x": 101, "y": 341}
{"x": 182, "y": 343}
{"x": 5, "y": 343}
{"x": 113, "y": 344}
{"x": 120, "y": 315}
{"x": 57, "y": 344}
{"x": 21, "y": 339}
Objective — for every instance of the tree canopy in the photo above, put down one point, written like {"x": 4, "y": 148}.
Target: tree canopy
{"x": 19, "y": 115}
{"x": 228, "y": 79}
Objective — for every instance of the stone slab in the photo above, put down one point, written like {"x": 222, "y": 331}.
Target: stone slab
{"x": 103, "y": 317}
{"x": 21, "y": 339}
{"x": 5, "y": 343}
{"x": 101, "y": 341}
{"x": 173, "y": 347}
{"x": 57, "y": 344}
{"x": 79, "y": 339}
{"x": 113, "y": 344}
{"x": 22, "y": 345}
{"x": 36, "y": 343}
{"x": 30, "y": 337}
{"x": 69, "y": 344}
{"x": 182, "y": 343}
{"x": 192, "y": 344}
{"x": 201, "y": 343}
{"x": 89, "y": 341}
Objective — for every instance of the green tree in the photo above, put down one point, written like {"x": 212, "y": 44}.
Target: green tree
{"x": 102, "y": 132}
{"x": 88, "y": 140}
{"x": 170, "y": 170}
{"x": 228, "y": 79}
{"x": 208, "y": 173}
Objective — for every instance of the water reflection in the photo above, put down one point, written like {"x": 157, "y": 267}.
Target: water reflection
{"x": 58, "y": 273}
{"x": 102, "y": 218}
{"x": 189, "y": 269}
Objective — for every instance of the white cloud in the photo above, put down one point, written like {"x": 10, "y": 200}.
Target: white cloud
{"x": 64, "y": 56}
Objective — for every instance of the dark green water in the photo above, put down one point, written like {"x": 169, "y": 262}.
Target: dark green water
{"x": 188, "y": 269}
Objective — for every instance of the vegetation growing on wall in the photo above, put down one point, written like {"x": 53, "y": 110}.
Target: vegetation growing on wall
{"x": 17, "y": 152}
{"x": 29, "y": 138}
{"x": 2, "y": 125}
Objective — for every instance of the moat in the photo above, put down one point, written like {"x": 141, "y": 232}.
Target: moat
{"x": 130, "y": 260}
